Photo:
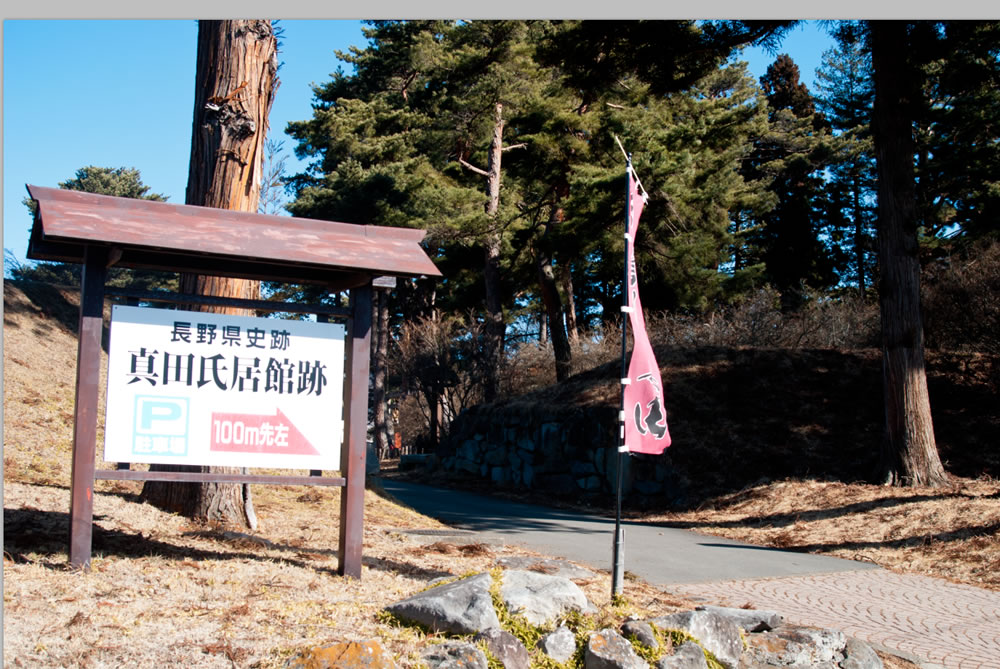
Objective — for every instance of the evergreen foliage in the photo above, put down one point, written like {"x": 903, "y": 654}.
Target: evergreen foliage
{"x": 789, "y": 239}
{"x": 114, "y": 181}
{"x": 845, "y": 98}
{"x": 752, "y": 185}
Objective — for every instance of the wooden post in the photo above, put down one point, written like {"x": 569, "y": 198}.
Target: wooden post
{"x": 352, "y": 452}
{"x": 320, "y": 318}
{"x": 88, "y": 376}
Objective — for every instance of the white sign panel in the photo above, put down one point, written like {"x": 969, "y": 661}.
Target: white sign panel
{"x": 194, "y": 388}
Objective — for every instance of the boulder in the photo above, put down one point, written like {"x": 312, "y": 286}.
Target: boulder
{"x": 688, "y": 655}
{"x": 528, "y": 477}
{"x": 717, "y": 634}
{"x": 496, "y": 456}
{"x": 505, "y": 647}
{"x": 751, "y": 620}
{"x": 541, "y": 598}
{"x": 560, "y": 645}
{"x": 607, "y": 649}
{"x": 641, "y": 632}
{"x": 859, "y": 655}
{"x": 454, "y": 655}
{"x": 469, "y": 450}
{"x": 462, "y": 607}
{"x": 352, "y": 655}
{"x": 796, "y": 646}
{"x": 500, "y": 475}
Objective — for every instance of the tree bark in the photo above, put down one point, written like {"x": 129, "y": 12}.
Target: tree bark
{"x": 380, "y": 372}
{"x": 553, "y": 303}
{"x": 495, "y": 326}
{"x": 909, "y": 455}
{"x": 859, "y": 244}
{"x": 566, "y": 278}
{"x": 234, "y": 90}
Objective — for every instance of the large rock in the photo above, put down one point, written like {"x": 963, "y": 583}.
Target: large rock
{"x": 718, "y": 635}
{"x": 859, "y": 655}
{"x": 751, "y": 620}
{"x": 800, "y": 646}
{"x": 505, "y": 647}
{"x": 607, "y": 649}
{"x": 462, "y": 607}
{"x": 688, "y": 655}
{"x": 641, "y": 632}
{"x": 560, "y": 645}
{"x": 353, "y": 655}
{"x": 541, "y": 598}
{"x": 454, "y": 655}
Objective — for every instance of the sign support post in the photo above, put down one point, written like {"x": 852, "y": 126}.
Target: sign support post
{"x": 88, "y": 376}
{"x": 98, "y": 231}
{"x": 352, "y": 455}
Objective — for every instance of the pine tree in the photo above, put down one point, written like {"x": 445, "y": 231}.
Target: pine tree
{"x": 117, "y": 182}
{"x": 910, "y": 454}
{"x": 845, "y": 98}
{"x": 788, "y": 238}
{"x": 958, "y": 187}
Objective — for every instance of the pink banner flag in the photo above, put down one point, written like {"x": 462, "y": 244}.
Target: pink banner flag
{"x": 645, "y": 415}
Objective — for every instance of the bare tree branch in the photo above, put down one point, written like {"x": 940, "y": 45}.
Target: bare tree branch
{"x": 473, "y": 167}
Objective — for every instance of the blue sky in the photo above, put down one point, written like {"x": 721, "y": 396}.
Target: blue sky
{"x": 119, "y": 93}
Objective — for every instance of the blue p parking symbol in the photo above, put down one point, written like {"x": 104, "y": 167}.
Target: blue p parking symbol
{"x": 161, "y": 426}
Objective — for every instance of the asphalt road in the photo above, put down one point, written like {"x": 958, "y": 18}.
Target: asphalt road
{"x": 658, "y": 555}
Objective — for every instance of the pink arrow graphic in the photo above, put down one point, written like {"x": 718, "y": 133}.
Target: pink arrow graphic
{"x": 253, "y": 433}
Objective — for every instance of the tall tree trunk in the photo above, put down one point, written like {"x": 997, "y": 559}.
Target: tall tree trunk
{"x": 495, "y": 326}
{"x": 552, "y": 301}
{"x": 380, "y": 372}
{"x": 234, "y": 89}
{"x": 909, "y": 455}
{"x": 859, "y": 226}
{"x": 566, "y": 279}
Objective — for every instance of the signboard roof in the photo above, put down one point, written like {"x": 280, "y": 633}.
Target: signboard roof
{"x": 204, "y": 240}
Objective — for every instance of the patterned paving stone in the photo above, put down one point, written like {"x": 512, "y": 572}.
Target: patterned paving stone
{"x": 952, "y": 625}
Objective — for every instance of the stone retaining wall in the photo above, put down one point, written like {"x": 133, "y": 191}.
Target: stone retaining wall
{"x": 570, "y": 453}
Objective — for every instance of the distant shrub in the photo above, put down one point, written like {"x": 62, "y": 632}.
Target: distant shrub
{"x": 846, "y": 322}
{"x": 961, "y": 301}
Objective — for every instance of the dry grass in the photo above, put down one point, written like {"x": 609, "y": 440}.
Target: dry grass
{"x": 951, "y": 533}
{"x": 165, "y": 590}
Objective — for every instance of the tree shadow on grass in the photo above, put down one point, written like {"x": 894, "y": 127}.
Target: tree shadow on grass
{"x": 960, "y": 534}
{"x": 30, "y": 532}
{"x": 783, "y": 519}
{"x": 403, "y": 568}
{"x": 33, "y": 531}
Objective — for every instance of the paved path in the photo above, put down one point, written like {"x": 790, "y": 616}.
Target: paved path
{"x": 944, "y": 623}
{"x": 934, "y": 622}
{"x": 656, "y": 554}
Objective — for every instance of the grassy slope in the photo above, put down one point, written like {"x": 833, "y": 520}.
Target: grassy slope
{"x": 167, "y": 591}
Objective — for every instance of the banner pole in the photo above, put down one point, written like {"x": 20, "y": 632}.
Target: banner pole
{"x": 618, "y": 557}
